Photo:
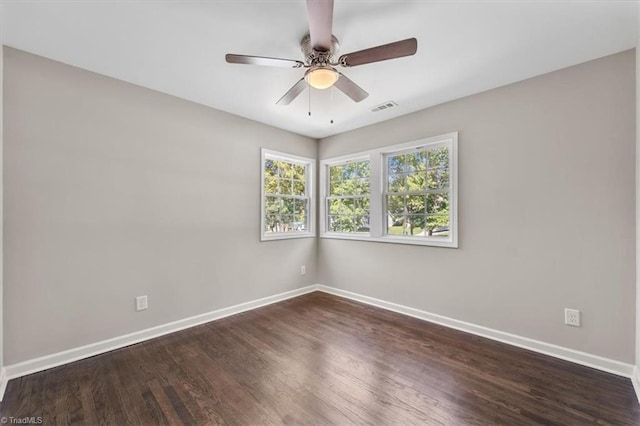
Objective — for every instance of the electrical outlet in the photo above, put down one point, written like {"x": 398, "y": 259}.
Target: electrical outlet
{"x": 141, "y": 303}
{"x": 303, "y": 270}
{"x": 572, "y": 317}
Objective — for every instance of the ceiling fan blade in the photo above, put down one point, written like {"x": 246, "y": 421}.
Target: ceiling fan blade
{"x": 293, "y": 92}
{"x": 350, "y": 89}
{"x": 262, "y": 60}
{"x": 394, "y": 50}
{"x": 320, "y": 14}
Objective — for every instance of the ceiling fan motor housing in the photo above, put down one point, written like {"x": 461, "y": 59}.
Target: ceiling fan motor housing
{"x": 314, "y": 57}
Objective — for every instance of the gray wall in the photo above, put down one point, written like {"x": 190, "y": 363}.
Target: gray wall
{"x": 114, "y": 191}
{"x": 1, "y": 216}
{"x": 637, "y": 336}
{"x": 546, "y": 205}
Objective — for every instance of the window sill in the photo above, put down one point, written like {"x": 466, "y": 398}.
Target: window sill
{"x": 393, "y": 240}
{"x": 275, "y": 237}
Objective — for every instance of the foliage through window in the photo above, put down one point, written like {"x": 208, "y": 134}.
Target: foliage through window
{"x": 402, "y": 194}
{"x": 417, "y": 193}
{"x": 286, "y": 200}
{"x": 348, "y": 201}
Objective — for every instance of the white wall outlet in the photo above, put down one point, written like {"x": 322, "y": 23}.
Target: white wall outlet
{"x": 572, "y": 317}
{"x": 141, "y": 303}
{"x": 303, "y": 270}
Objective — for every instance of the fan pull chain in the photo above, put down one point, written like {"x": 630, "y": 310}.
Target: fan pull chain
{"x": 331, "y": 105}
{"x": 309, "y": 101}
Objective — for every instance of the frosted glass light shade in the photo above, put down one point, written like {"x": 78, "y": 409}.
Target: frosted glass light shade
{"x": 321, "y": 77}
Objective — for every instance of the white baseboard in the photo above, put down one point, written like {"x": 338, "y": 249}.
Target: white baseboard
{"x": 3, "y": 383}
{"x": 635, "y": 380}
{"x": 53, "y": 360}
{"x": 594, "y": 361}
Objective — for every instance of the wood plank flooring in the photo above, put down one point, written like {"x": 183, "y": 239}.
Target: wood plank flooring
{"x": 320, "y": 359}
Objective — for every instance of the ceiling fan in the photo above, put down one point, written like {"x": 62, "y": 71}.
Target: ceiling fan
{"x": 320, "y": 48}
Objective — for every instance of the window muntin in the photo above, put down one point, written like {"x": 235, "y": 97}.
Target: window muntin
{"x": 347, "y": 203}
{"x": 417, "y": 193}
{"x": 287, "y": 206}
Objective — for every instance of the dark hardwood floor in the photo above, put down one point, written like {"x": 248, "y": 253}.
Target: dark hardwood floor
{"x": 320, "y": 359}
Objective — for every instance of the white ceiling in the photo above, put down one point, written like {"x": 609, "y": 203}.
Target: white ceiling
{"x": 178, "y": 47}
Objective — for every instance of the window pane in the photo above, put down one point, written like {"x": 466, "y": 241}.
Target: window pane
{"x": 335, "y": 173}
{"x": 335, "y": 206}
{"x": 416, "y": 181}
{"x": 276, "y": 224}
{"x": 272, "y": 205}
{"x": 415, "y": 204}
{"x": 438, "y": 178}
{"x": 298, "y": 187}
{"x": 355, "y": 187}
{"x": 348, "y": 205}
{"x": 270, "y": 223}
{"x": 409, "y": 225}
{"x": 361, "y": 186}
{"x": 284, "y": 186}
{"x": 285, "y": 170}
{"x": 349, "y": 179}
{"x": 437, "y": 203}
{"x": 437, "y": 226}
{"x": 362, "y": 206}
{"x": 270, "y": 168}
{"x": 395, "y": 205}
{"x": 299, "y": 206}
{"x": 300, "y": 215}
{"x": 361, "y": 224}
{"x": 347, "y": 215}
{"x": 395, "y": 164}
{"x": 363, "y": 169}
{"x": 349, "y": 171}
{"x": 335, "y": 188}
{"x": 287, "y": 206}
{"x": 287, "y": 223}
{"x": 270, "y": 185}
{"x": 335, "y": 223}
{"x": 407, "y": 172}
{"x": 439, "y": 158}
{"x": 415, "y": 224}
{"x": 420, "y": 161}
{"x": 396, "y": 225}
{"x": 349, "y": 224}
{"x": 298, "y": 172}
{"x": 349, "y": 186}
{"x": 397, "y": 183}
{"x": 412, "y": 162}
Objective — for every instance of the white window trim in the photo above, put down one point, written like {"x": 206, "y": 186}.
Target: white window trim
{"x": 324, "y": 167}
{"x": 377, "y": 230}
{"x": 309, "y": 164}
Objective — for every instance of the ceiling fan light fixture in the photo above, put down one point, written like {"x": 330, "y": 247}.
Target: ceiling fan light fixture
{"x": 321, "y": 77}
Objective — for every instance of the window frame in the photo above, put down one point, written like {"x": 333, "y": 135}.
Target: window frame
{"x": 325, "y": 178}
{"x": 309, "y": 165}
{"x": 377, "y": 192}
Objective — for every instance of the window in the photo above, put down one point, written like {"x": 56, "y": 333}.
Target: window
{"x": 287, "y": 203}
{"x": 348, "y": 198}
{"x": 417, "y": 192}
{"x": 401, "y": 194}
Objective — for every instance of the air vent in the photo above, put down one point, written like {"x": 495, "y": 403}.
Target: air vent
{"x": 386, "y": 105}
